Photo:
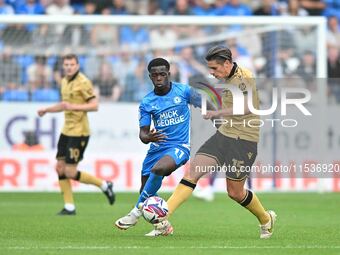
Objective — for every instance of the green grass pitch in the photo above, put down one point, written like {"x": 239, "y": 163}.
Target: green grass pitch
{"x": 308, "y": 223}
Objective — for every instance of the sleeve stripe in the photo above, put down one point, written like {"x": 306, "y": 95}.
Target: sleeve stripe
{"x": 88, "y": 99}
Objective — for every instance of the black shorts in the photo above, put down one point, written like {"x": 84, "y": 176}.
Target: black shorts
{"x": 234, "y": 156}
{"x": 71, "y": 148}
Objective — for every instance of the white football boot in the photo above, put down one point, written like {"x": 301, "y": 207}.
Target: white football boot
{"x": 129, "y": 220}
{"x": 206, "y": 194}
{"x": 266, "y": 230}
{"x": 163, "y": 228}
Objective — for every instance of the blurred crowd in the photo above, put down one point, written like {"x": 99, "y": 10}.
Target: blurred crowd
{"x": 115, "y": 57}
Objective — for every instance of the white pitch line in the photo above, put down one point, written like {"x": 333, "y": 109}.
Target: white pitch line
{"x": 167, "y": 247}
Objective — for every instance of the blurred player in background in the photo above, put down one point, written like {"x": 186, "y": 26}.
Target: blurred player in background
{"x": 77, "y": 99}
{"x": 232, "y": 145}
{"x": 167, "y": 106}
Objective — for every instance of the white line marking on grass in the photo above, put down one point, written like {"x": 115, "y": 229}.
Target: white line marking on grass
{"x": 167, "y": 247}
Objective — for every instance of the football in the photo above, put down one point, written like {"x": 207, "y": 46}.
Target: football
{"x": 155, "y": 210}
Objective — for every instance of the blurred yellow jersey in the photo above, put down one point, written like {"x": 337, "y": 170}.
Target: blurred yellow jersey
{"x": 77, "y": 90}
{"x": 244, "y": 127}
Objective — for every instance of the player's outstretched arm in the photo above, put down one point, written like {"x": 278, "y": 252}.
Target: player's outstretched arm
{"x": 147, "y": 136}
{"x": 54, "y": 108}
{"x": 89, "y": 106}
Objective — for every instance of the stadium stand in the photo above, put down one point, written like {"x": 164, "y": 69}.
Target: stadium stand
{"x": 21, "y": 58}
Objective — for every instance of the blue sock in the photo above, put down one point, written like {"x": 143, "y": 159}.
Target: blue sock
{"x": 151, "y": 187}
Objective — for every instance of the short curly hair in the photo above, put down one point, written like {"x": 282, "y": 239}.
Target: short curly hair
{"x": 158, "y": 62}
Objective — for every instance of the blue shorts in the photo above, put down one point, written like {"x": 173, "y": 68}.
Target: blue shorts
{"x": 179, "y": 154}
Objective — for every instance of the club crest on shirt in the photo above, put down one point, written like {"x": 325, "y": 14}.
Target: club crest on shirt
{"x": 242, "y": 86}
{"x": 177, "y": 100}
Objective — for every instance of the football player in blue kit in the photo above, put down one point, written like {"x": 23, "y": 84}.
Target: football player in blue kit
{"x": 168, "y": 107}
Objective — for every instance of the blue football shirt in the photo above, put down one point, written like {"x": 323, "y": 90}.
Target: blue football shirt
{"x": 170, "y": 113}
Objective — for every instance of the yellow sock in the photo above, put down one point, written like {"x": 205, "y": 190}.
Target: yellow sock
{"x": 84, "y": 177}
{"x": 253, "y": 204}
{"x": 181, "y": 194}
{"x": 66, "y": 190}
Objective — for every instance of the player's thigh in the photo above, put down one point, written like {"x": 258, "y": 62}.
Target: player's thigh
{"x": 212, "y": 149}
{"x": 165, "y": 166}
{"x": 239, "y": 158}
{"x": 149, "y": 161}
{"x": 171, "y": 159}
{"x": 60, "y": 167}
{"x": 200, "y": 166}
{"x": 75, "y": 149}
{"x": 62, "y": 148}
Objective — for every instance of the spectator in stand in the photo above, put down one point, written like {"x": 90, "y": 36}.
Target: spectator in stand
{"x": 39, "y": 73}
{"x": 268, "y": 8}
{"x": 164, "y": 6}
{"x": 93, "y": 60}
{"x": 107, "y": 83}
{"x": 174, "y": 71}
{"x": 134, "y": 36}
{"x": 30, "y": 7}
{"x": 313, "y": 7}
{"x": 332, "y": 8}
{"x": 45, "y": 3}
{"x": 90, "y": 8}
{"x": 5, "y": 9}
{"x": 75, "y": 36}
{"x": 124, "y": 65}
{"x": 43, "y": 36}
{"x": 333, "y": 62}
{"x": 154, "y": 8}
{"x": 59, "y": 7}
{"x": 162, "y": 37}
{"x": 58, "y": 71}
{"x": 333, "y": 68}
{"x": 242, "y": 59}
{"x": 182, "y": 7}
{"x": 137, "y": 84}
{"x": 104, "y": 35}
{"x": 307, "y": 66}
{"x": 234, "y": 8}
{"x": 15, "y": 3}
{"x": 305, "y": 38}
{"x": 293, "y": 8}
{"x": 118, "y": 7}
{"x": 10, "y": 71}
{"x": 204, "y": 8}
{"x": 188, "y": 65}
{"x": 333, "y": 32}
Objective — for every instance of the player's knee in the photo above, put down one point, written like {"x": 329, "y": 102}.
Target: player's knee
{"x": 60, "y": 168}
{"x": 193, "y": 175}
{"x": 70, "y": 173}
{"x": 161, "y": 171}
{"x": 235, "y": 195}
